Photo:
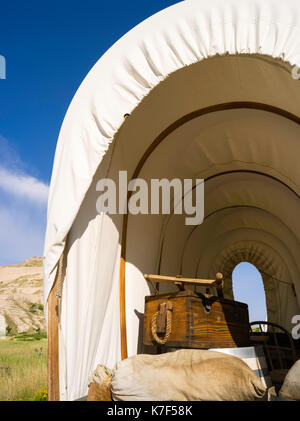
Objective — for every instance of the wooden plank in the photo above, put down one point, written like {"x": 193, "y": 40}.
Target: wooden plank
{"x": 161, "y": 319}
{"x": 53, "y": 362}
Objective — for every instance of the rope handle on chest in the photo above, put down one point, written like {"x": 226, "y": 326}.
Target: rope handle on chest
{"x": 165, "y": 312}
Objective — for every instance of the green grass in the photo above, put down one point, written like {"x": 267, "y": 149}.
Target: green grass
{"x": 29, "y": 336}
{"x": 23, "y": 367}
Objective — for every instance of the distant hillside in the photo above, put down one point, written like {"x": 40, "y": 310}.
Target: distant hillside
{"x": 32, "y": 262}
{"x": 21, "y": 297}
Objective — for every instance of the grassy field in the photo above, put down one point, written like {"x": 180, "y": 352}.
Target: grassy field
{"x": 23, "y": 368}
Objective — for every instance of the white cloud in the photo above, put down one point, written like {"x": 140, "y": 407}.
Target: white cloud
{"x": 23, "y": 186}
{"x": 21, "y": 234}
{"x": 23, "y": 200}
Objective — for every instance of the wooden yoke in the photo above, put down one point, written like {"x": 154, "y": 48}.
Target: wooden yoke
{"x": 185, "y": 283}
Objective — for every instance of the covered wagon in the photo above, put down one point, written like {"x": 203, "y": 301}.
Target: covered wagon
{"x": 201, "y": 90}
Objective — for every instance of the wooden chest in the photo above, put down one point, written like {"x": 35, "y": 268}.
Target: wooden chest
{"x": 197, "y": 321}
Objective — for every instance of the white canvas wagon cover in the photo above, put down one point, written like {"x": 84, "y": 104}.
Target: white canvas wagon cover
{"x": 208, "y": 90}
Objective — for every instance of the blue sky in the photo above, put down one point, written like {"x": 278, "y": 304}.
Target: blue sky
{"x": 248, "y": 288}
{"x": 49, "y": 48}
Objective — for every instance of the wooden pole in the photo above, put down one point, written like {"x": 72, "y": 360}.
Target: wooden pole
{"x": 123, "y": 310}
{"x": 124, "y": 353}
{"x": 218, "y": 282}
{"x": 53, "y": 362}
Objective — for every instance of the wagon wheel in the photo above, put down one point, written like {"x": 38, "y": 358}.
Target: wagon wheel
{"x": 274, "y": 351}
